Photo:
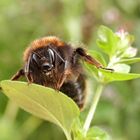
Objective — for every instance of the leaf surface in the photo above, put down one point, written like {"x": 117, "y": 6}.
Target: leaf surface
{"x": 117, "y": 76}
{"x": 43, "y": 102}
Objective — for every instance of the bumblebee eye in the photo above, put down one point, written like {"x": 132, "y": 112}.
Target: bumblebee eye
{"x": 47, "y": 67}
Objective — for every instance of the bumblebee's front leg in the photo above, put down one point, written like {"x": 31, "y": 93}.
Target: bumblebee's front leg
{"x": 18, "y": 74}
{"x": 89, "y": 59}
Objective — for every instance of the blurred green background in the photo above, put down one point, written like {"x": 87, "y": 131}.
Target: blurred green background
{"x": 22, "y": 21}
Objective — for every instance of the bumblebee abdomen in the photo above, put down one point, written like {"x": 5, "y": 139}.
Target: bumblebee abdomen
{"x": 75, "y": 90}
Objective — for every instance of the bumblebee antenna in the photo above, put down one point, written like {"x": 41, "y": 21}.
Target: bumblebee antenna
{"x": 57, "y": 53}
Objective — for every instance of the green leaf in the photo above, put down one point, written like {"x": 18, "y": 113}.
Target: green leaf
{"x": 129, "y": 52}
{"x": 96, "y": 133}
{"x": 77, "y": 130}
{"x": 130, "y": 61}
{"x": 98, "y": 56}
{"x": 105, "y": 76}
{"x": 124, "y": 68}
{"x": 116, "y": 76}
{"x": 107, "y": 40}
{"x": 92, "y": 70}
{"x": 43, "y": 102}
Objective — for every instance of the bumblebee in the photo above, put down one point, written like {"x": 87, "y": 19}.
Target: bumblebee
{"x": 53, "y": 63}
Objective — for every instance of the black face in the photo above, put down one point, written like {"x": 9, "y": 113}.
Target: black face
{"x": 44, "y": 60}
{"x": 46, "y": 67}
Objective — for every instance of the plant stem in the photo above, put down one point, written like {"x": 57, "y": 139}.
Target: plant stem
{"x": 11, "y": 111}
{"x": 30, "y": 125}
{"x": 68, "y": 136}
{"x": 92, "y": 108}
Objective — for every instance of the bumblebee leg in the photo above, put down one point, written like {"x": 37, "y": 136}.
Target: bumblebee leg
{"x": 18, "y": 74}
{"x": 29, "y": 78}
{"x": 90, "y": 59}
{"x": 75, "y": 90}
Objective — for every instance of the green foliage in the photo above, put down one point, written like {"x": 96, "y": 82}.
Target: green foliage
{"x": 115, "y": 44}
{"x": 116, "y": 76}
{"x": 7, "y": 129}
{"x": 94, "y": 133}
{"x": 43, "y": 102}
{"x": 130, "y": 60}
{"x": 118, "y": 109}
{"x": 57, "y": 108}
{"x": 118, "y": 48}
{"x": 107, "y": 40}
